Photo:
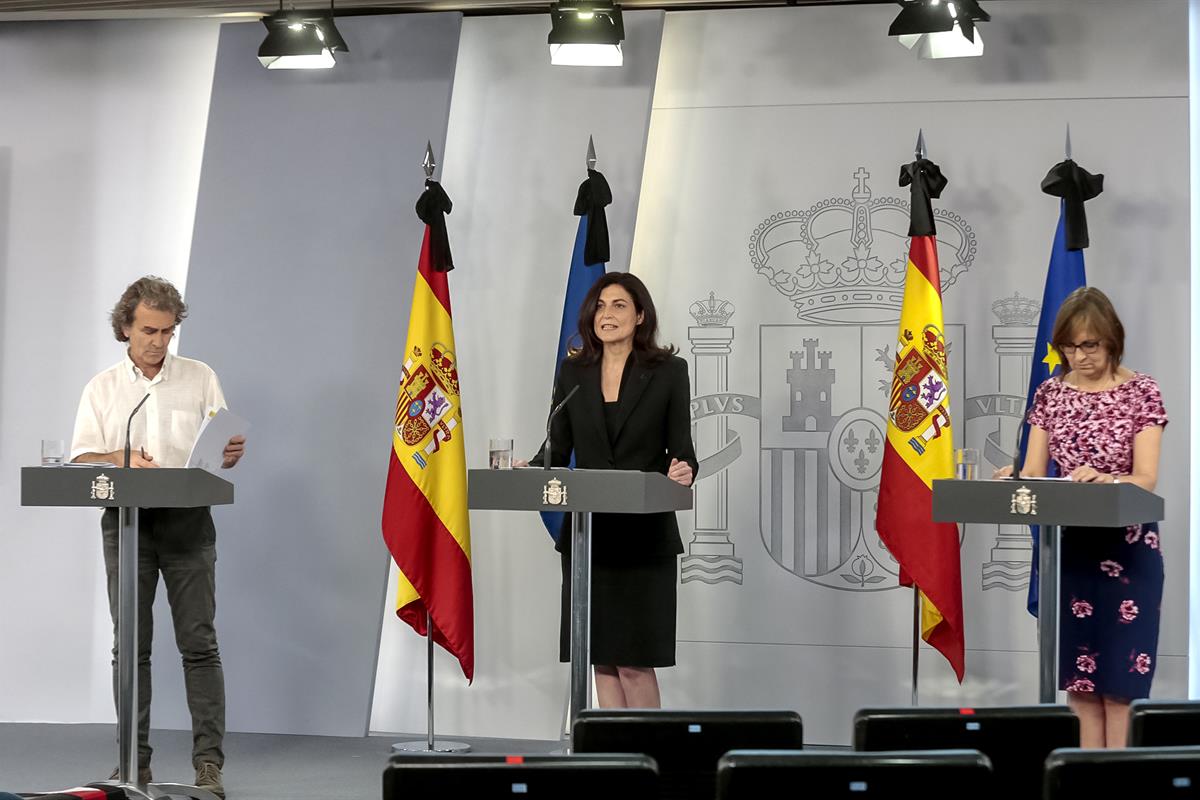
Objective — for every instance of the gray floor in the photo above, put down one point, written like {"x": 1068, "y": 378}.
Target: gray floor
{"x": 36, "y": 757}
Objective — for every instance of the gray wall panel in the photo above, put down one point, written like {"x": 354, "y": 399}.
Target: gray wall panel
{"x": 301, "y": 275}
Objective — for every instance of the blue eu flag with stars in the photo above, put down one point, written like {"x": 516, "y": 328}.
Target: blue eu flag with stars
{"x": 579, "y": 279}
{"x": 1064, "y": 276}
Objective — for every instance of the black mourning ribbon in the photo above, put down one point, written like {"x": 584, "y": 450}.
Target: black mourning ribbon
{"x": 1074, "y": 185}
{"x": 593, "y": 196}
{"x": 432, "y": 207}
{"x": 927, "y": 183}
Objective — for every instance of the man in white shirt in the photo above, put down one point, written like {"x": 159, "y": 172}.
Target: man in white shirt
{"x": 178, "y": 542}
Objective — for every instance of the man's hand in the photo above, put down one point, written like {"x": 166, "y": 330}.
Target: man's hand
{"x": 139, "y": 459}
{"x": 234, "y": 451}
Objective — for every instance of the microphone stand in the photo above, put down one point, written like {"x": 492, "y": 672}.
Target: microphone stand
{"x": 548, "y": 461}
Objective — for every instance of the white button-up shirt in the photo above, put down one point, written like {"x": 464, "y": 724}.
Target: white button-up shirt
{"x": 181, "y": 395}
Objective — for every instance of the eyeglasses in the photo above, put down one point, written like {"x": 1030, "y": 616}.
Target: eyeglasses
{"x": 1089, "y": 347}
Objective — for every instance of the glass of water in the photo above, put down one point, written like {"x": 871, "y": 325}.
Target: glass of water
{"x": 966, "y": 463}
{"x": 53, "y": 452}
{"x": 500, "y": 453}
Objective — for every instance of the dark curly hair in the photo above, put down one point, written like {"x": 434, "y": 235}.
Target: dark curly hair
{"x": 645, "y": 338}
{"x": 157, "y": 293}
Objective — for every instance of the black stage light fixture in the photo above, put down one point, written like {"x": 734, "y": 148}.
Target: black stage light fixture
{"x": 940, "y": 28}
{"x": 586, "y": 33}
{"x": 300, "y": 40}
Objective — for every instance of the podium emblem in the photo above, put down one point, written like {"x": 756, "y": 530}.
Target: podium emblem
{"x": 1023, "y": 502}
{"x": 103, "y": 488}
{"x": 554, "y": 493}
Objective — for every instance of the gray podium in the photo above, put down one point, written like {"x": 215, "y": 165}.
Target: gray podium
{"x": 127, "y": 490}
{"x": 1050, "y": 504}
{"x": 579, "y": 492}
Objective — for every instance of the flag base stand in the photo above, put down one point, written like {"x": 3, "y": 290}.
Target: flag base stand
{"x": 438, "y": 746}
{"x": 430, "y": 745}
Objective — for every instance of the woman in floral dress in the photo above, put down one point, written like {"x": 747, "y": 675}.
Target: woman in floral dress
{"x": 1102, "y": 423}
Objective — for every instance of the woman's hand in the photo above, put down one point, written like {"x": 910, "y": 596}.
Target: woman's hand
{"x": 520, "y": 462}
{"x": 680, "y": 472}
{"x": 1086, "y": 474}
{"x": 1003, "y": 472}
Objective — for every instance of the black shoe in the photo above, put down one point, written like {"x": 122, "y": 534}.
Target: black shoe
{"x": 143, "y": 775}
{"x": 208, "y": 776}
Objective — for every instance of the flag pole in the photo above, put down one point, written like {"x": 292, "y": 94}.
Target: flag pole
{"x": 430, "y": 745}
{"x": 916, "y": 640}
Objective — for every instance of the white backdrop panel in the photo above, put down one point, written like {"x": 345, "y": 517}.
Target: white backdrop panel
{"x": 786, "y": 599}
{"x": 100, "y": 146}
{"x": 515, "y": 156}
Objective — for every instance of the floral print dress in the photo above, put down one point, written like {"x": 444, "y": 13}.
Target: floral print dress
{"x": 1112, "y": 578}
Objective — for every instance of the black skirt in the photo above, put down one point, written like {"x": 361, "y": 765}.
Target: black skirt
{"x": 633, "y": 611}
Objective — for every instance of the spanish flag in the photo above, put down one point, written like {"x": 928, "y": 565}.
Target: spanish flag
{"x": 425, "y": 520}
{"x": 919, "y": 446}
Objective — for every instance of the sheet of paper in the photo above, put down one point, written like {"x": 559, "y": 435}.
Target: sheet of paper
{"x": 215, "y": 432}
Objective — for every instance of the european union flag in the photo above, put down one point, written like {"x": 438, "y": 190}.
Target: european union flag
{"x": 579, "y": 280}
{"x": 1064, "y": 276}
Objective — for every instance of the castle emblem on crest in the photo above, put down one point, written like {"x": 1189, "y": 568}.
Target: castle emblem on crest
{"x": 427, "y": 409}
{"x": 554, "y": 493}
{"x": 103, "y": 488}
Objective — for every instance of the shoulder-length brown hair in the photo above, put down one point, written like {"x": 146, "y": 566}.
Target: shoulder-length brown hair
{"x": 157, "y": 293}
{"x": 1088, "y": 308}
{"x": 586, "y": 347}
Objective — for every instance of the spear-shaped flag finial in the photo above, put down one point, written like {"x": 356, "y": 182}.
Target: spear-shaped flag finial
{"x": 591, "y": 154}
{"x": 429, "y": 163}
{"x": 1069, "y": 158}
{"x": 921, "y": 152}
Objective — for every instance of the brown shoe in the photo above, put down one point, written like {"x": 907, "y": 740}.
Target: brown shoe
{"x": 143, "y": 775}
{"x": 208, "y": 776}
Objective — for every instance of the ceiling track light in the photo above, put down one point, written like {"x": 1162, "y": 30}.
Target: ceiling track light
{"x": 586, "y": 33}
{"x": 300, "y": 40}
{"x": 940, "y": 28}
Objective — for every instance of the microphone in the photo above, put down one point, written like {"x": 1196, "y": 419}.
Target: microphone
{"x": 129, "y": 425}
{"x": 548, "y": 460}
{"x": 1016, "y": 465}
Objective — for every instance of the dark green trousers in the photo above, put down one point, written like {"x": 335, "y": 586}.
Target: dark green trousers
{"x": 179, "y": 543}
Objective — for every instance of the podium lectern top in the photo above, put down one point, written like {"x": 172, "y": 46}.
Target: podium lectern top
{"x": 104, "y": 487}
{"x": 1042, "y": 501}
{"x": 575, "y": 490}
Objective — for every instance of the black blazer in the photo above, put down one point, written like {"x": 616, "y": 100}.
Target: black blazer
{"x": 653, "y": 426}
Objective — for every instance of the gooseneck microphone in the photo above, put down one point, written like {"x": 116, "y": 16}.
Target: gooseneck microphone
{"x": 1016, "y": 465}
{"x": 129, "y": 425}
{"x": 548, "y": 461}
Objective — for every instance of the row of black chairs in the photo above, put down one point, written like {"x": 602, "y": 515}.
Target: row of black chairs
{"x": 1013, "y": 752}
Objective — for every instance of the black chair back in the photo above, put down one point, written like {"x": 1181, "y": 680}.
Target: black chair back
{"x": 1016, "y": 739}
{"x": 1152, "y": 773}
{"x": 1158, "y": 724}
{"x": 686, "y": 745}
{"x": 927, "y": 774}
{"x": 411, "y": 776}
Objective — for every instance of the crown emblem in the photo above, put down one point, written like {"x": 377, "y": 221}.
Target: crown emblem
{"x": 103, "y": 488}
{"x": 554, "y": 493}
{"x": 1017, "y": 310}
{"x": 711, "y": 312}
{"x": 441, "y": 361}
{"x": 844, "y": 259}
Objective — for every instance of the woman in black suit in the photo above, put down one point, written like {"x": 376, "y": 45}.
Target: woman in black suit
{"x": 631, "y": 412}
